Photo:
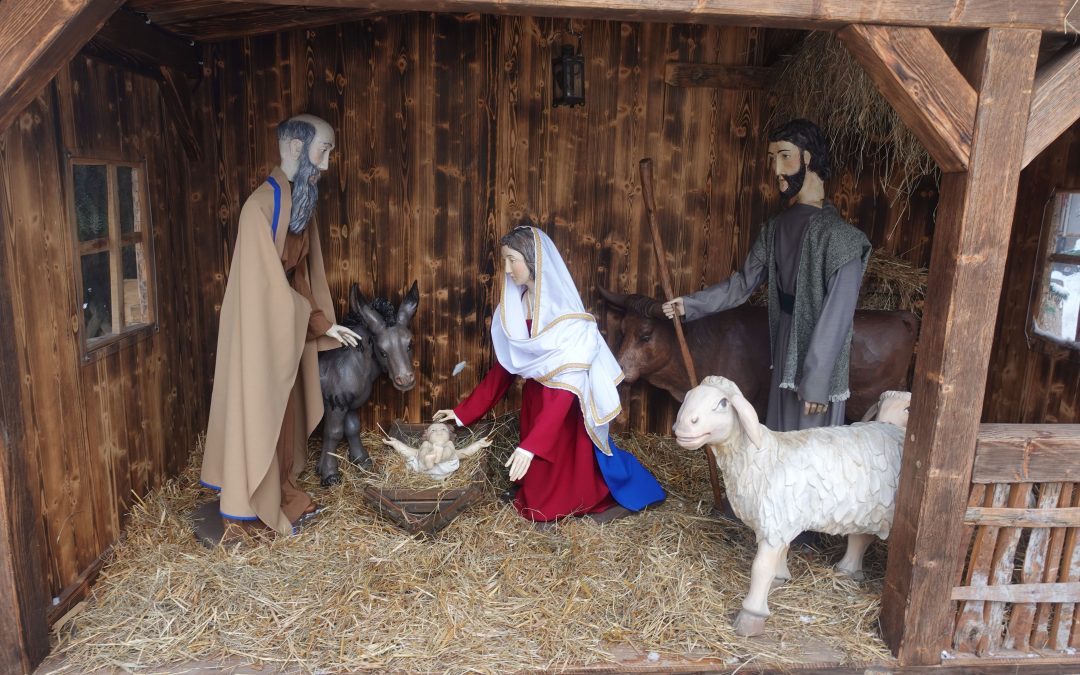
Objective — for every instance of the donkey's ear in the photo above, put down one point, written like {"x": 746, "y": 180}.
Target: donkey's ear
{"x": 372, "y": 319}
{"x": 408, "y": 305}
{"x": 356, "y": 298}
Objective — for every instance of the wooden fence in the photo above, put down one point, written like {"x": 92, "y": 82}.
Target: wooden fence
{"x": 1019, "y": 588}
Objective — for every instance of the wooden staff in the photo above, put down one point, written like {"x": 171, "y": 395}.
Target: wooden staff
{"x": 665, "y": 280}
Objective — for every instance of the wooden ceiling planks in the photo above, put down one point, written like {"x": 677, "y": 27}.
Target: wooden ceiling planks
{"x": 1048, "y": 15}
{"x": 212, "y": 20}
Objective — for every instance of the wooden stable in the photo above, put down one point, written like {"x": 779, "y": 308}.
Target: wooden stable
{"x": 445, "y": 135}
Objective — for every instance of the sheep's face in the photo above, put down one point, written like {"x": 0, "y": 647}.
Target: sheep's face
{"x": 706, "y": 416}
{"x": 893, "y": 408}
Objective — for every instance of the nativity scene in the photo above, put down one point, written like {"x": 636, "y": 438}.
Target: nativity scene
{"x": 536, "y": 338}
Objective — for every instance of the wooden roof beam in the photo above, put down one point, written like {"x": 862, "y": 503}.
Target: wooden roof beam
{"x": 130, "y": 42}
{"x": 1055, "y": 105}
{"x": 37, "y": 37}
{"x": 1045, "y": 15}
{"x": 916, "y": 76}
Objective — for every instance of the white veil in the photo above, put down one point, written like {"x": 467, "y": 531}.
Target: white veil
{"x": 565, "y": 349}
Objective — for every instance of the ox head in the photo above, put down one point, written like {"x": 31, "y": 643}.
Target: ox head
{"x": 648, "y": 340}
{"x": 716, "y": 413}
{"x": 391, "y": 336}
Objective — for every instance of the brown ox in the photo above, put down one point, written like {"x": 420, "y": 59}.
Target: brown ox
{"x": 735, "y": 344}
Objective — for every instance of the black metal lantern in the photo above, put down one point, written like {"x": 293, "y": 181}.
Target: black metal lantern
{"x": 568, "y": 78}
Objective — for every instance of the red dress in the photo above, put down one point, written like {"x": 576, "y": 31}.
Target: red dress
{"x": 564, "y": 478}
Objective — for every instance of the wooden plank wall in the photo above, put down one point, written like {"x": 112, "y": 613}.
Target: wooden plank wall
{"x": 446, "y": 136}
{"x": 1030, "y": 379}
{"x": 96, "y": 433}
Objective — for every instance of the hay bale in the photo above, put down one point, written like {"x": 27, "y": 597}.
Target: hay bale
{"x": 490, "y": 593}
{"x": 822, "y": 82}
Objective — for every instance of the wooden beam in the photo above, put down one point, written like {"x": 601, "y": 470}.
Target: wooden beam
{"x": 717, "y": 76}
{"x": 176, "y": 100}
{"x": 1048, "y": 15}
{"x": 971, "y": 240}
{"x": 1063, "y": 592}
{"x": 1031, "y": 453}
{"x": 1006, "y": 517}
{"x": 916, "y": 76}
{"x": 37, "y": 37}
{"x": 128, "y": 41}
{"x": 1055, "y": 105}
{"x": 24, "y": 594}
{"x": 245, "y": 22}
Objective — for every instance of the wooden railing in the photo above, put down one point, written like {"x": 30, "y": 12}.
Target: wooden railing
{"x": 1018, "y": 590}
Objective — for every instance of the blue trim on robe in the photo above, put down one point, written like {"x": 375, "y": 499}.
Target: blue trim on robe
{"x": 234, "y": 517}
{"x": 631, "y": 484}
{"x": 277, "y": 205}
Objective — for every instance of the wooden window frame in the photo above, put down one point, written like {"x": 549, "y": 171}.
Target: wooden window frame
{"x": 114, "y": 243}
{"x": 1040, "y": 279}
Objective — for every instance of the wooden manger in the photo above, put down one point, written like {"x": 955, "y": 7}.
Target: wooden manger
{"x": 422, "y": 511}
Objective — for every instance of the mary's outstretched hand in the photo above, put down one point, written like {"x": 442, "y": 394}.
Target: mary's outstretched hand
{"x": 446, "y": 415}
{"x": 519, "y": 463}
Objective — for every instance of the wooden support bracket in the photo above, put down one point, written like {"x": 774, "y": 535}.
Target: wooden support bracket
{"x": 1055, "y": 104}
{"x": 916, "y": 76}
{"x": 37, "y": 38}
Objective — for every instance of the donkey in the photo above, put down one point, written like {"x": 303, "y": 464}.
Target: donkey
{"x": 348, "y": 373}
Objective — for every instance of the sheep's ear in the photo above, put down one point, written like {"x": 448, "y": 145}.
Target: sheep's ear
{"x": 871, "y": 413}
{"x": 748, "y": 418}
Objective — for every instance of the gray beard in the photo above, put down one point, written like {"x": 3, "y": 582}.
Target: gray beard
{"x": 305, "y": 194}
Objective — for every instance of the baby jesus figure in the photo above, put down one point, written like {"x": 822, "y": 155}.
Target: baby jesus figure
{"x": 437, "y": 456}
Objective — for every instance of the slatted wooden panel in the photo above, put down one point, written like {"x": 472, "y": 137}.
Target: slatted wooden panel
{"x": 101, "y": 431}
{"x": 1020, "y": 586}
{"x": 446, "y": 135}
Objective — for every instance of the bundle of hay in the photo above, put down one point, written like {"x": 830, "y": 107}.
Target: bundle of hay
{"x": 822, "y": 82}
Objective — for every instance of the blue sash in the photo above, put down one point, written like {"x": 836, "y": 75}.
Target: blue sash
{"x": 277, "y": 205}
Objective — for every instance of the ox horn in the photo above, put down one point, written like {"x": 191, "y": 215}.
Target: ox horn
{"x": 612, "y": 298}
{"x": 635, "y": 302}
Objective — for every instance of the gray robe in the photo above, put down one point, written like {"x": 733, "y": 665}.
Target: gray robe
{"x": 831, "y": 332}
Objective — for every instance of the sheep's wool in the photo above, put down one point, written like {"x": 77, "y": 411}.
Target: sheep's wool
{"x": 836, "y": 480}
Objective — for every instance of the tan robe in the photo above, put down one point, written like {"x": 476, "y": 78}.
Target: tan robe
{"x": 263, "y": 360}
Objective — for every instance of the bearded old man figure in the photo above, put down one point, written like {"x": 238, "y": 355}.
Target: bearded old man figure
{"x": 813, "y": 262}
{"x": 276, "y": 316}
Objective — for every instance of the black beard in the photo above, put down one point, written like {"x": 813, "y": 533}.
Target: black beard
{"x": 305, "y": 193}
{"x": 794, "y": 181}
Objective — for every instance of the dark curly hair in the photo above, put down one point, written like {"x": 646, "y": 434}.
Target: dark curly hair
{"x": 808, "y": 136}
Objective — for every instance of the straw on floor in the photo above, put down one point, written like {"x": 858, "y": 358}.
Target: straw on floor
{"x": 491, "y": 593}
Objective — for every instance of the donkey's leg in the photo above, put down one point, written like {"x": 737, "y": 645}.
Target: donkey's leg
{"x": 333, "y": 429}
{"x": 357, "y": 453}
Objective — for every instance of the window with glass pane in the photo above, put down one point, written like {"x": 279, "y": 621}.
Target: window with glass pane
{"x": 1057, "y": 312}
{"x": 115, "y": 260}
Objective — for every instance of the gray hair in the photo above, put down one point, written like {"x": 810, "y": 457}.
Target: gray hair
{"x": 294, "y": 128}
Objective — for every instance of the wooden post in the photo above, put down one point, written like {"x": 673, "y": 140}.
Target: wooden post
{"x": 23, "y": 592}
{"x": 970, "y": 245}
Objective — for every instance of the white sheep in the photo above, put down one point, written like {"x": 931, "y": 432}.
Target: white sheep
{"x": 836, "y": 480}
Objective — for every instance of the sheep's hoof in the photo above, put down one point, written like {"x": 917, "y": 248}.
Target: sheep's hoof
{"x": 749, "y": 624}
{"x": 777, "y": 582}
{"x": 331, "y": 480}
{"x": 857, "y": 575}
